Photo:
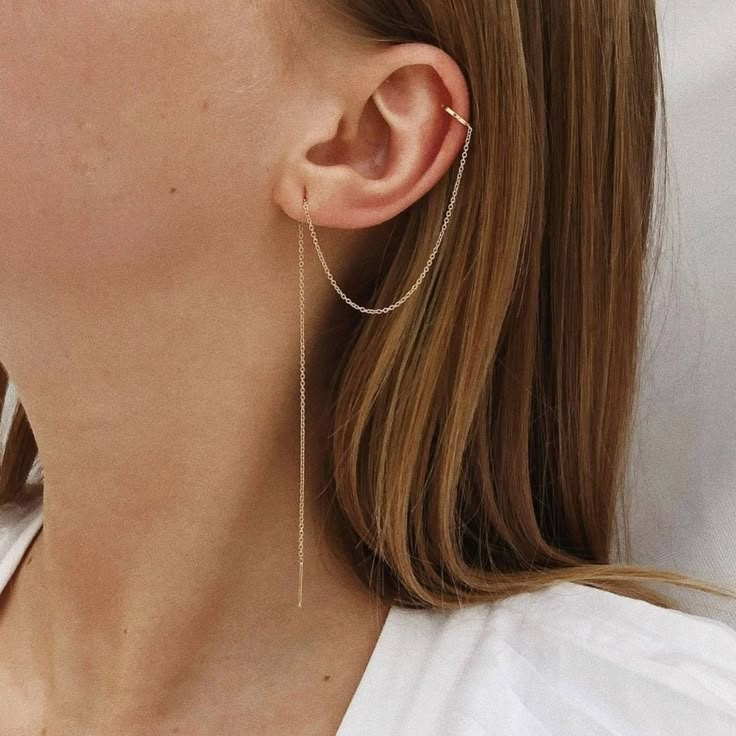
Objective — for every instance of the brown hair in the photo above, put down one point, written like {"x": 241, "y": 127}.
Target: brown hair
{"x": 480, "y": 433}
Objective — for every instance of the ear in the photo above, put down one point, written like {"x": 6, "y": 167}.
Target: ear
{"x": 392, "y": 140}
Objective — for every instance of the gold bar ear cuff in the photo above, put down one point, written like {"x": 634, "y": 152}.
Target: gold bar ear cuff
{"x": 456, "y": 116}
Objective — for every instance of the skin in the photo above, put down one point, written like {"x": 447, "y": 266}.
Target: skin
{"x": 154, "y": 157}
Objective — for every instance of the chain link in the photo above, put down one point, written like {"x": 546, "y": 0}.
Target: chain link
{"x": 367, "y": 310}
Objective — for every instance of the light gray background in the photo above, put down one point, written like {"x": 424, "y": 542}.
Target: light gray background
{"x": 683, "y": 469}
{"x": 683, "y": 466}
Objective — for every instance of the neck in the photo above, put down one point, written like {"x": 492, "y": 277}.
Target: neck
{"x": 168, "y": 557}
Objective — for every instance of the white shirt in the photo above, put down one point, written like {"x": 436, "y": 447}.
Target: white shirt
{"x": 568, "y": 660}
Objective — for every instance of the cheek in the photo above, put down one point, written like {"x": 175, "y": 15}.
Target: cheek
{"x": 123, "y": 126}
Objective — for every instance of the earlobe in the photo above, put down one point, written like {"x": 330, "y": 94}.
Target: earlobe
{"x": 388, "y": 151}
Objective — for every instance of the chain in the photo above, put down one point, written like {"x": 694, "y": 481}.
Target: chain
{"x": 302, "y": 393}
{"x": 425, "y": 270}
{"x": 367, "y": 310}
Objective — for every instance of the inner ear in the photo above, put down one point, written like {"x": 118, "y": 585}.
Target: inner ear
{"x": 367, "y": 151}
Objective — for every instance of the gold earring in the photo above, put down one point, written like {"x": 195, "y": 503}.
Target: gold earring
{"x": 367, "y": 310}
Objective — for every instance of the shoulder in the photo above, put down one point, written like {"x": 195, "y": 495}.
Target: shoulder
{"x": 572, "y": 659}
{"x": 571, "y": 610}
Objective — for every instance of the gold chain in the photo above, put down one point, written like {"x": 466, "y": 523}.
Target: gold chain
{"x": 367, "y": 310}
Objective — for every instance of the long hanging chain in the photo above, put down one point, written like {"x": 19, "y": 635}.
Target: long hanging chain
{"x": 367, "y": 310}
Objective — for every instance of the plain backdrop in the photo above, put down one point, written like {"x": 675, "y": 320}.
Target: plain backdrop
{"x": 682, "y": 486}
{"x": 683, "y": 468}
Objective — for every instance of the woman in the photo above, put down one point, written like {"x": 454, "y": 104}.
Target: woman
{"x": 453, "y": 501}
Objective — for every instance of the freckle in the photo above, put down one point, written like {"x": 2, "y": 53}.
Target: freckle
{"x": 325, "y": 678}
{"x": 172, "y": 190}
{"x": 125, "y": 630}
{"x": 205, "y": 104}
